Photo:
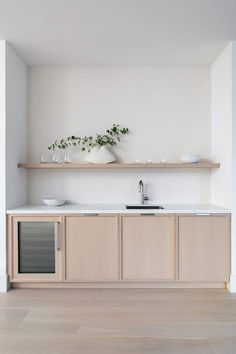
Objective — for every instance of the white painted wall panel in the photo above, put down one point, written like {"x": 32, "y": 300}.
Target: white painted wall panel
{"x": 3, "y": 277}
{"x": 233, "y": 135}
{"x": 16, "y": 128}
{"x": 166, "y": 108}
{"x": 13, "y": 137}
{"x": 221, "y": 128}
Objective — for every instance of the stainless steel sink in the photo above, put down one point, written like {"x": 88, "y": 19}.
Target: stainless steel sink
{"x": 145, "y": 206}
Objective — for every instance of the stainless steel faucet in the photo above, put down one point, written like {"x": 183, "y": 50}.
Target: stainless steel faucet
{"x": 141, "y": 190}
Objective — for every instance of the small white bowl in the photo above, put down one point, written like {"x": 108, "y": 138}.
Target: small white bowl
{"x": 190, "y": 158}
{"x": 53, "y": 202}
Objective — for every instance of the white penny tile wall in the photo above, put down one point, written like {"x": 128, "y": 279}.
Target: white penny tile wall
{"x": 167, "y": 110}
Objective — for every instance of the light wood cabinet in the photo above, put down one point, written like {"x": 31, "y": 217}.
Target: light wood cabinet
{"x": 129, "y": 249}
{"x": 92, "y": 248}
{"x": 35, "y": 248}
{"x": 204, "y": 248}
{"x": 148, "y": 248}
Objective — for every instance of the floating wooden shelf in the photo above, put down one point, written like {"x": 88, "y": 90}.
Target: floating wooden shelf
{"x": 117, "y": 166}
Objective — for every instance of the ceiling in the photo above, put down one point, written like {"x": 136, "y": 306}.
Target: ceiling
{"x": 118, "y": 32}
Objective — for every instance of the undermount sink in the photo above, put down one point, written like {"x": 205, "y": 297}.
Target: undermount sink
{"x": 145, "y": 206}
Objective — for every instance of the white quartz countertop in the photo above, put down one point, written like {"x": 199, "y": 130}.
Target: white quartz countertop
{"x": 118, "y": 208}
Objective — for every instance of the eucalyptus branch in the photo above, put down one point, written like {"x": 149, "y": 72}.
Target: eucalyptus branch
{"x": 86, "y": 143}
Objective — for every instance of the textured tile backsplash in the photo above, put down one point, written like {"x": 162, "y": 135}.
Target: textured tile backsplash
{"x": 166, "y": 108}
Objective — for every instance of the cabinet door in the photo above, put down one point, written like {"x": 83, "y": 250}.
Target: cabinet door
{"x": 92, "y": 248}
{"x": 35, "y": 248}
{"x": 148, "y": 247}
{"x": 204, "y": 252}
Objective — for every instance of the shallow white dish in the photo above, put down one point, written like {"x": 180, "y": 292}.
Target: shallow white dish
{"x": 53, "y": 202}
{"x": 190, "y": 158}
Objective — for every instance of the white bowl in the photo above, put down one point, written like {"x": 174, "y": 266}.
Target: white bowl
{"x": 100, "y": 155}
{"x": 190, "y": 158}
{"x": 53, "y": 202}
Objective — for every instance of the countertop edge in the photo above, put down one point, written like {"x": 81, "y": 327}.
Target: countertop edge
{"x": 111, "y": 209}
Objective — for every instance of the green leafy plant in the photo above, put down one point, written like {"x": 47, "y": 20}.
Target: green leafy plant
{"x": 110, "y": 137}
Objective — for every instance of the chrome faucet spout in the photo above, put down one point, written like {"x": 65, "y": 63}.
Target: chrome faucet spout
{"x": 141, "y": 192}
{"x": 140, "y": 186}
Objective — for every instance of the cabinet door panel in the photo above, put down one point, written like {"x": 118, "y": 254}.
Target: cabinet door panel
{"x": 92, "y": 248}
{"x": 33, "y": 255}
{"x": 204, "y": 248}
{"x": 148, "y": 247}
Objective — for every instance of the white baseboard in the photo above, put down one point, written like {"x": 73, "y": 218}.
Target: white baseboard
{"x": 231, "y": 286}
{"x": 4, "y": 283}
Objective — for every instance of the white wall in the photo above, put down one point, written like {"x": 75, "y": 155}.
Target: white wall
{"x": 223, "y": 121}
{"x": 13, "y": 137}
{"x": 3, "y": 278}
{"x": 221, "y": 128}
{"x": 233, "y": 135}
{"x": 16, "y": 128}
{"x": 166, "y": 108}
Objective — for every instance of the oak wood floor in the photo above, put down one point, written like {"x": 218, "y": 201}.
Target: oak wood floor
{"x": 48, "y": 321}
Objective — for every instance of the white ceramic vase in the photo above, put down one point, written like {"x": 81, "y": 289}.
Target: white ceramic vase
{"x": 100, "y": 155}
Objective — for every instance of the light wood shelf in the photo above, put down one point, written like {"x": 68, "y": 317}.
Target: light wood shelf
{"x": 118, "y": 166}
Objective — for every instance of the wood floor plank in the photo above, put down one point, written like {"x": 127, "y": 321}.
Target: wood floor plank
{"x": 139, "y": 314}
{"x": 115, "y": 321}
{"x": 9, "y": 315}
{"x": 189, "y": 330}
{"x": 223, "y": 346}
{"x": 38, "y": 345}
{"x": 42, "y": 329}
